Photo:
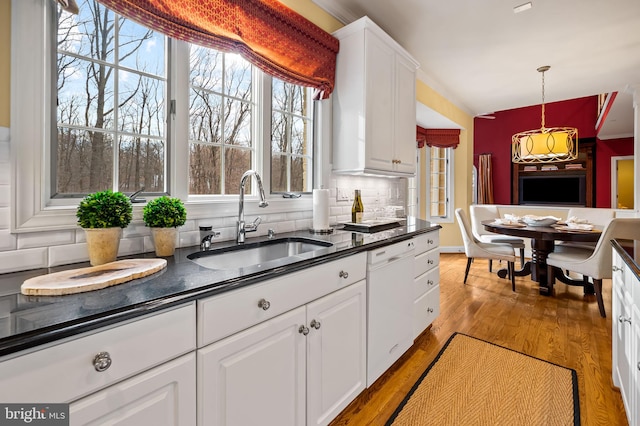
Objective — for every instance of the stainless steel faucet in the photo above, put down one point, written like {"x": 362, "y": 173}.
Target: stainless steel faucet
{"x": 252, "y": 227}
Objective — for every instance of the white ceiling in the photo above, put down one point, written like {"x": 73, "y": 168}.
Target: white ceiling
{"x": 483, "y": 57}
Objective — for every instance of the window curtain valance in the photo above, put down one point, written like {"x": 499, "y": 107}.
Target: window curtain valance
{"x": 440, "y": 138}
{"x": 265, "y": 32}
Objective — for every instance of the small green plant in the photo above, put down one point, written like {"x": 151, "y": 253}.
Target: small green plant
{"x": 105, "y": 209}
{"x": 164, "y": 212}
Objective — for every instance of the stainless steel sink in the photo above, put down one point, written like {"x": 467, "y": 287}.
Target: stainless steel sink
{"x": 261, "y": 254}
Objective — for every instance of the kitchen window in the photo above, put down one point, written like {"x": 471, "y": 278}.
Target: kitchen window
{"x": 130, "y": 108}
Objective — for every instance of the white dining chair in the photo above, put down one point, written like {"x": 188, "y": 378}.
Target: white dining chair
{"x": 475, "y": 249}
{"x": 595, "y": 216}
{"x": 482, "y": 212}
{"x": 594, "y": 265}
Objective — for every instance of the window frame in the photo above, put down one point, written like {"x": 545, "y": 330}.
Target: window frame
{"x": 449, "y": 193}
{"x": 33, "y": 209}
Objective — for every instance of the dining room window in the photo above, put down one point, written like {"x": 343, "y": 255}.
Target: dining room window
{"x": 438, "y": 189}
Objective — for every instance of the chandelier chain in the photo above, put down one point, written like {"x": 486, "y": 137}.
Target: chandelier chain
{"x": 542, "y": 99}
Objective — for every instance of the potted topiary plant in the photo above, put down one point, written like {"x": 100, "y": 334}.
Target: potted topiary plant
{"x": 103, "y": 215}
{"x": 163, "y": 215}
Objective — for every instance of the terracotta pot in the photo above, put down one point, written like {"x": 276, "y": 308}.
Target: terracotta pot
{"x": 103, "y": 244}
{"x": 164, "y": 240}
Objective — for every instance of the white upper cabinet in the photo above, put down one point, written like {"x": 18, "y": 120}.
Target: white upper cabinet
{"x": 374, "y": 103}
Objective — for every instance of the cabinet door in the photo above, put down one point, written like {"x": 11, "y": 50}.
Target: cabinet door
{"x": 336, "y": 352}
{"x": 622, "y": 345}
{"x": 405, "y": 149}
{"x": 635, "y": 366}
{"x": 379, "y": 103}
{"x": 255, "y": 377}
{"x": 165, "y": 395}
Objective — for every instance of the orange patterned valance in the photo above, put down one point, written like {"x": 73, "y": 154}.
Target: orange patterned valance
{"x": 440, "y": 138}
{"x": 265, "y": 32}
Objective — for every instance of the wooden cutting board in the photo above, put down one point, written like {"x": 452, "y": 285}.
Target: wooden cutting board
{"x": 91, "y": 278}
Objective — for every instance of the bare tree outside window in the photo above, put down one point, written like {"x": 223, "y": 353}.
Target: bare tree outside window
{"x": 221, "y": 108}
{"x": 291, "y": 138}
{"x": 111, "y": 108}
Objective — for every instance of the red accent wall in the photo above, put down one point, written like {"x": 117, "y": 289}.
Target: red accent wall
{"x": 494, "y": 136}
{"x": 605, "y": 149}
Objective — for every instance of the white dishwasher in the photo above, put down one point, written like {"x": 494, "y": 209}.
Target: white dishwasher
{"x": 389, "y": 306}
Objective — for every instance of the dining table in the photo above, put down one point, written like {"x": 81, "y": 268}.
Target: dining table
{"x": 543, "y": 241}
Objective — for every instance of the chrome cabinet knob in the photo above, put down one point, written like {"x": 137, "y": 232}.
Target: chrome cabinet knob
{"x": 615, "y": 268}
{"x": 343, "y": 274}
{"x": 430, "y": 262}
{"x": 303, "y": 330}
{"x": 264, "y": 304}
{"x": 429, "y": 282}
{"x": 638, "y": 366}
{"x": 315, "y": 324}
{"x": 102, "y": 361}
{"x": 430, "y": 310}
{"x": 430, "y": 241}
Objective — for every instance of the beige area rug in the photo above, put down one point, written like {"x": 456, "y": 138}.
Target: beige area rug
{"x": 474, "y": 382}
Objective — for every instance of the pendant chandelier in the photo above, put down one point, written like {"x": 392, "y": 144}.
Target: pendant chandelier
{"x": 545, "y": 145}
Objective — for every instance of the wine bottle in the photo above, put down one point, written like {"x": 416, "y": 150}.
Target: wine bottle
{"x": 357, "y": 209}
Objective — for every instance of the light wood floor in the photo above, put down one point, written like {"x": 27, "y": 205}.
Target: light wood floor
{"x": 565, "y": 329}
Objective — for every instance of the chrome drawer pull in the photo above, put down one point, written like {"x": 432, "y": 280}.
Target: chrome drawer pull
{"x": 639, "y": 366}
{"x": 615, "y": 268}
{"x": 430, "y": 241}
{"x": 303, "y": 330}
{"x": 622, "y": 319}
{"x": 102, "y": 361}
{"x": 430, "y": 262}
{"x": 264, "y": 304}
{"x": 315, "y": 324}
{"x": 429, "y": 282}
{"x": 343, "y": 274}
{"x": 430, "y": 310}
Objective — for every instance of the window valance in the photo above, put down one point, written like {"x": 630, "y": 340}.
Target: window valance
{"x": 265, "y": 32}
{"x": 440, "y": 138}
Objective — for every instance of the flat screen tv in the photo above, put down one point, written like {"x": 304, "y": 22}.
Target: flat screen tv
{"x": 554, "y": 190}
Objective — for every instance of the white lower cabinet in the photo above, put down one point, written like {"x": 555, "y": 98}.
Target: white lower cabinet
{"x": 301, "y": 367}
{"x": 426, "y": 283}
{"x": 626, "y": 336}
{"x": 162, "y": 396}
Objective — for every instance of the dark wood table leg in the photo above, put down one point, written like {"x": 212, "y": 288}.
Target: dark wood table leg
{"x": 540, "y": 249}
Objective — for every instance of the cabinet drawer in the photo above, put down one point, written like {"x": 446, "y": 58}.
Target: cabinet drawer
{"x": 426, "y": 282}
{"x": 66, "y": 371}
{"x": 426, "y": 242}
{"x": 225, "y": 314}
{"x": 621, "y": 274}
{"x": 426, "y": 261}
{"x": 425, "y": 310}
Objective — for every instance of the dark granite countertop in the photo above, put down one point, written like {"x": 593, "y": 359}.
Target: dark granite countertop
{"x": 29, "y": 321}
{"x": 630, "y": 256}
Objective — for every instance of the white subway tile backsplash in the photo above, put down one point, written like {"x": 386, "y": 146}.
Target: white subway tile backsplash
{"x": 8, "y": 241}
{"x": 5, "y": 218}
{"x": 46, "y": 239}
{"x": 5, "y": 196}
{"x": 72, "y": 253}
{"x": 22, "y": 260}
{"x": 131, "y": 246}
{"x": 136, "y": 229}
{"x": 54, "y": 248}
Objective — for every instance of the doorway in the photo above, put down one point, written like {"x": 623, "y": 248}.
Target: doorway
{"x": 622, "y": 182}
